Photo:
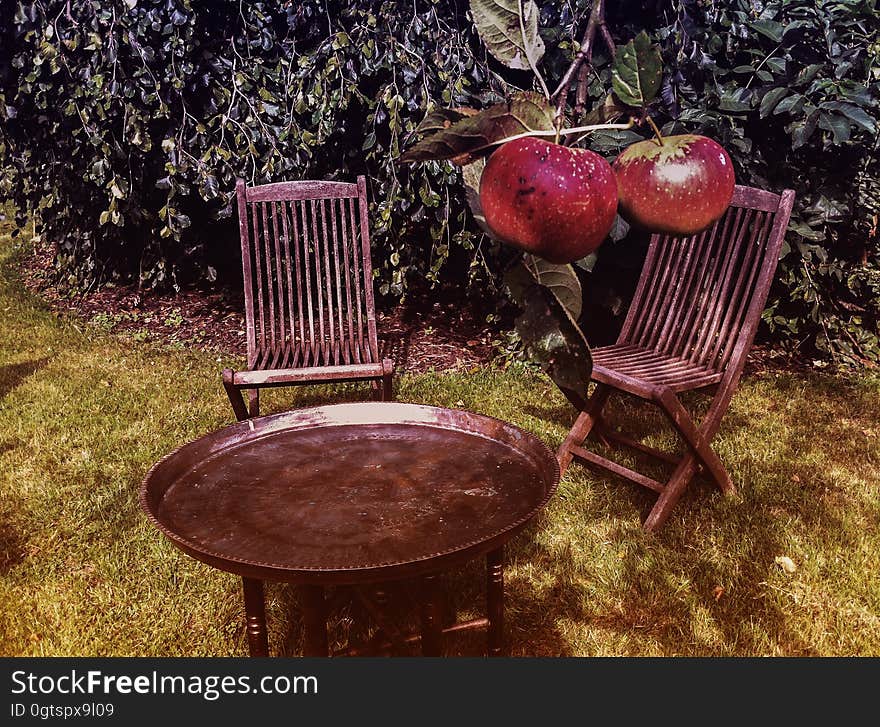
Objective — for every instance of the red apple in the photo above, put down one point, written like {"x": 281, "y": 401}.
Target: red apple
{"x": 680, "y": 186}
{"x": 553, "y": 201}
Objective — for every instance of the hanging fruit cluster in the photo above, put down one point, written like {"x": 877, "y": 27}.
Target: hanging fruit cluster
{"x": 556, "y": 201}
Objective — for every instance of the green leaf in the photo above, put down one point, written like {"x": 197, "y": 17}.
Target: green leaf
{"x": 440, "y": 119}
{"x": 803, "y": 230}
{"x": 509, "y": 28}
{"x": 806, "y": 75}
{"x": 839, "y": 126}
{"x": 768, "y": 28}
{"x": 637, "y": 72}
{"x": 770, "y": 99}
{"x": 607, "y": 112}
{"x": 619, "y": 229}
{"x": 551, "y": 338}
{"x": 792, "y": 104}
{"x": 853, "y": 113}
{"x": 777, "y": 65}
{"x": 471, "y": 175}
{"x": 467, "y": 138}
{"x": 730, "y": 103}
{"x": 560, "y": 280}
{"x": 803, "y": 130}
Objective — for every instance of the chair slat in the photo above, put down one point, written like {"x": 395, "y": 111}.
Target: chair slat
{"x": 682, "y": 299}
{"x": 279, "y": 273}
{"x": 683, "y": 343}
{"x": 352, "y": 349}
{"x": 735, "y": 321}
{"x": 270, "y": 285}
{"x": 370, "y": 308}
{"x": 297, "y": 261}
{"x": 642, "y": 288}
{"x": 709, "y": 328}
{"x": 246, "y": 268}
{"x": 288, "y": 266}
{"x": 656, "y": 279}
{"x": 307, "y": 276}
{"x": 319, "y": 289}
{"x": 357, "y": 284}
{"x": 739, "y": 289}
{"x": 327, "y": 288}
{"x": 694, "y": 298}
{"x": 337, "y": 253}
{"x": 674, "y": 264}
{"x": 261, "y": 310}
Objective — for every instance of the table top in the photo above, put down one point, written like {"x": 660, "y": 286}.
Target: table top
{"x": 350, "y": 493}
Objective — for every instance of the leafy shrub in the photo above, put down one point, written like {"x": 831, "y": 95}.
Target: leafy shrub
{"x": 125, "y": 123}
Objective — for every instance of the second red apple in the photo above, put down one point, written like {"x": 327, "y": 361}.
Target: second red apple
{"x": 679, "y": 185}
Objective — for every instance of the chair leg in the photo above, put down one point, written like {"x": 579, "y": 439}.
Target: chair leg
{"x": 582, "y": 426}
{"x": 673, "y": 490}
{"x": 253, "y": 403}
{"x": 696, "y": 440}
{"x": 235, "y": 396}
{"x": 387, "y": 380}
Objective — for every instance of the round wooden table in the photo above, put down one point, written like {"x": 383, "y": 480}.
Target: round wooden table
{"x": 353, "y": 494}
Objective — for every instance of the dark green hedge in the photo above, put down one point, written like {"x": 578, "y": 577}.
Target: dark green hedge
{"x": 125, "y": 122}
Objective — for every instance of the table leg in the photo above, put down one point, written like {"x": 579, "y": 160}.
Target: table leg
{"x": 314, "y": 621}
{"x": 432, "y": 628}
{"x": 495, "y": 601}
{"x": 255, "y": 617}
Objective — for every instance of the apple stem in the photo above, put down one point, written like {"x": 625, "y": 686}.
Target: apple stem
{"x": 656, "y": 130}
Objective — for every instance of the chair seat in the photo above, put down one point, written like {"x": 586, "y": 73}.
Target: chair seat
{"x": 642, "y": 372}
{"x": 311, "y": 374}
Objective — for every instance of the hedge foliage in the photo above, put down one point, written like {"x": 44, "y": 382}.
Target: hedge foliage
{"x": 126, "y": 122}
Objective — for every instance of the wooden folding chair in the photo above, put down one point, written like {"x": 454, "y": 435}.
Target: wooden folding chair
{"x": 690, "y": 325}
{"x": 308, "y": 290}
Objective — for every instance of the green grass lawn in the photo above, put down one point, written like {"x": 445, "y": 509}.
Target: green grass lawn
{"x": 84, "y": 414}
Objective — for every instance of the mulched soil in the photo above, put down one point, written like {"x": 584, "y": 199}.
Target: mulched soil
{"x": 433, "y": 330}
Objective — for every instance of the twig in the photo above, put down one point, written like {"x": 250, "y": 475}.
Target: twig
{"x": 557, "y": 133}
{"x": 585, "y": 53}
{"x": 583, "y": 86}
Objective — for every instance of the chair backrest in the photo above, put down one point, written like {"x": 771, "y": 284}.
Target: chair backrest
{"x": 308, "y": 281}
{"x": 700, "y": 297}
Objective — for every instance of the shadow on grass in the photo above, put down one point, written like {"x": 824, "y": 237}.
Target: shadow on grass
{"x": 352, "y": 625}
{"x": 12, "y": 541}
{"x": 671, "y": 587}
{"x": 12, "y": 375}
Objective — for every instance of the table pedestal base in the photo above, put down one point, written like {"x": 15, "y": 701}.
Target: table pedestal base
{"x": 432, "y": 631}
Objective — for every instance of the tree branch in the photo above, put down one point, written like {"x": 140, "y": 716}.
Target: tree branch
{"x": 580, "y": 66}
